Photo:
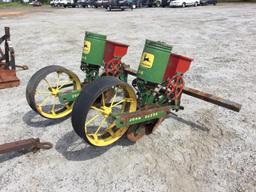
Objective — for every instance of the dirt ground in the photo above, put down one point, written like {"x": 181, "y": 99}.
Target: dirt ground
{"x": 205, "y": 148}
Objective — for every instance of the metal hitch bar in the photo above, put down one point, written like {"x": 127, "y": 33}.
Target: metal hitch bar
{"x": 32, "y": 144}
{"x": 202, "y": 95}
{"x": 212, "y": 99}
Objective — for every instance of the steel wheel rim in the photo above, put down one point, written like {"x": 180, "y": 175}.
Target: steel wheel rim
{"x": 109, "y": 134}
{"x": 51, "y": 94}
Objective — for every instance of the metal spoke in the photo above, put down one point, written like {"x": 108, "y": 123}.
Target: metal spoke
{"x": 97, "y": 109}
{"x": 101, "y": 124}
{"x": 44, "y": 101}
{"x": 67, "y": 106}
{"x": 65, "y": 83}
{"x": 95, "y": 137}
{"x": 42, "y": 92}
{"x": 91, "y": 120}
{"x": 58, "y": 80}
{"x": 119, "y": 102}
{"x": 129, "y": 100}
{"x": 113, "y": 99}
{"x": 53, "y": 106}
{"x": 47, "y": 82}
{"x": 110, "y": 131}
{"x": 103, "y": 100}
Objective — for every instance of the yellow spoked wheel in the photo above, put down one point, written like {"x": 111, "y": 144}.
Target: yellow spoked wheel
{"x": 93, "y": 116}
{"x": 43, "y": 91}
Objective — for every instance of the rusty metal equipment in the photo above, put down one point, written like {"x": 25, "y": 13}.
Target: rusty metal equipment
{"x": 32, "y": 144}
{"x": 8, "y": 67}
{"x": 104, "y": 106}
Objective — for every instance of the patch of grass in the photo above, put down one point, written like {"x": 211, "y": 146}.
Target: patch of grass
{"x": 13, "y": 4}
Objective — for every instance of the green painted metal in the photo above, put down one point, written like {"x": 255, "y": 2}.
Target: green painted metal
{"x": 139, "y": 119}
{"x": 146, "y": 96}
{"x": 68, "y": 97}
{"x": 154, "y": 60}
{"x": 92, "y": 73}
{"x": 123, "y": 77}
{"x": 94, "y": 46}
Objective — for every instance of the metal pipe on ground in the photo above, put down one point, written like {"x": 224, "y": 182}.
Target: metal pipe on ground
{"x": 32, "y": 144}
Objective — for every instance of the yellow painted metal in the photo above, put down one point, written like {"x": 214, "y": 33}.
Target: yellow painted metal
{"x": 52, "y": 91}
{"x": 129, "y": 104}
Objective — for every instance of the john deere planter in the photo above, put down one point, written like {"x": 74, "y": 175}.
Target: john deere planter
{"x": 52, "y": 90}
{"x": 104, "y": 106}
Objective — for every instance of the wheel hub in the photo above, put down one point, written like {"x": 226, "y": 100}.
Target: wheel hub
{"x": 106, "y": 111}
{"x": 54, "y": 92}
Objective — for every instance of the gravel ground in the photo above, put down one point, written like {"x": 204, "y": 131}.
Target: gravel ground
{"x": 206, "y": 148}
